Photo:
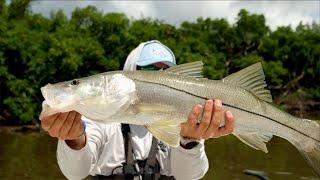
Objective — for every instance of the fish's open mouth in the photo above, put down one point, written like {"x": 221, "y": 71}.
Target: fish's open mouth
{"x": 48, "y": 97}
{"x": 52, "y": 96}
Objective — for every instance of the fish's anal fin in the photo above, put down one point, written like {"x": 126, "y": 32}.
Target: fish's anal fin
{"x": 193, "y": 69}
{"x": 252, "y": 79}
{"x": 167, "y": 131}
{"x": 255, "y": 140}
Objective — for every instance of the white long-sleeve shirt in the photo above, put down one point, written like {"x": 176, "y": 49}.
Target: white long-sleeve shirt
{"x": 104, "y": 151}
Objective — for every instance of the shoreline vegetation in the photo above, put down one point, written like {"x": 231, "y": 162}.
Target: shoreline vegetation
{"x": 36, "y": 50}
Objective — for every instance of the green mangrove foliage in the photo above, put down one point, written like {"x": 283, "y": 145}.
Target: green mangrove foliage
{"x": 36, "y": 50}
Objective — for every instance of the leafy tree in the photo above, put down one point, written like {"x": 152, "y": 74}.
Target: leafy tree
{"x": 35, "y": 50}
{"x": 18, "y": 8}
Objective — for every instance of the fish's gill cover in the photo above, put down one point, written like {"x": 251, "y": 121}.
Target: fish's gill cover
{"x": 120, "y": 86}
{"x": 119, "y": 94}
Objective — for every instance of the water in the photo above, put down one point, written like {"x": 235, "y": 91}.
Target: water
{"x": 33, "y": 156}
{"x": 28, "y": 156}
{"x": 229, "y": 157}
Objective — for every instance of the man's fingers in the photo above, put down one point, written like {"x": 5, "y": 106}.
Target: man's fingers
{"x": 217, "y": 116}
{"x": 194, "y": 114}
{"x": 77, "y": 127}
{"x": 190, "y": 128}
{"x": 206, "y": 119}
{"x": 55, "y": 128}
{"x": 229, "y": 125}
{"x": 47, "y": 122}
{"x": 64, "y": 130}
{"x": 64, "y": 126}
{"x": 209, "y": 127}
{"x": 229, "y": 122}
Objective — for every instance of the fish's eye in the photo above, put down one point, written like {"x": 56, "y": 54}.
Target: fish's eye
{"x": 75, "y": 82}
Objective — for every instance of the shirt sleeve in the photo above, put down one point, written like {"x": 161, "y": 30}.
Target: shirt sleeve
{"x": 189, "y": 163}
{"x": 77, "y": 164}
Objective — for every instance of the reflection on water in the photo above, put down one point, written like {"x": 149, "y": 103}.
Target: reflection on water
{"x": 33, "y": 156}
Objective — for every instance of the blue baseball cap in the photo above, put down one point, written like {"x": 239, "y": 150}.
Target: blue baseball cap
{"x": 154, "y": 52}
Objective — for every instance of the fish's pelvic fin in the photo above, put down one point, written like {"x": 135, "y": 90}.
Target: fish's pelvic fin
{"x": 255, "y": 140}
{"x": 193, "y": 69}
{"x": 252, "y": 79}
{"x": 167, "y": 131}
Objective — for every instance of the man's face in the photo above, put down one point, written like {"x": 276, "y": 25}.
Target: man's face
{"x": 154, "y": 67}
{"x": 161, "y": 65}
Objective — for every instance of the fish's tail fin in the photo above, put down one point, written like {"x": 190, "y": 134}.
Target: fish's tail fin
{"x": 309, "y": 147}
{"x": 312, "y": 155}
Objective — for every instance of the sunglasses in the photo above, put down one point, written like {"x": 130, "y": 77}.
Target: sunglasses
{"x": 148, "y": 68}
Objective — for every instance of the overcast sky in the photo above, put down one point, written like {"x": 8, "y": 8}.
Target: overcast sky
{"x": 277, "y": 13}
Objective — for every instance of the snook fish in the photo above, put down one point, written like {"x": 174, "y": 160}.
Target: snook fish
{"x": 161, "y": 100}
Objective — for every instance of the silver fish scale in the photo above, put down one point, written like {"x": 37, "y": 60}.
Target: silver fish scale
{"x": 178, "y": 103}
{"x": 182, "y": 102}
{"x": 234, "y": 96}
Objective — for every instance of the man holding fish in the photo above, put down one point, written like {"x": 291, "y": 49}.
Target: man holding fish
{"x": 120, "y": 151}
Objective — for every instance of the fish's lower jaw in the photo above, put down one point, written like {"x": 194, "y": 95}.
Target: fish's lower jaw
{"x": 63, "y": 107}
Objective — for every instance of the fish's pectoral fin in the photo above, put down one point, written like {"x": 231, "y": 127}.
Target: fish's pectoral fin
{"x": 151, "y": 107}
{"x": 167, "y": 131}
{"x": 251, "y": 79}
{"x": 255, "y": 140}
{"x": 193, "y": 69}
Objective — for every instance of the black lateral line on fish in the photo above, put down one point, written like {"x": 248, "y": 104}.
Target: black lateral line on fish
{"x": 230, "y": 106}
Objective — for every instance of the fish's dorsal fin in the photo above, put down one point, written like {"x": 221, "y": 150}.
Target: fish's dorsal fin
{"x": 193, "y": 69}
{"x": 255, "y": 140}
{"x": 252, "y": 79}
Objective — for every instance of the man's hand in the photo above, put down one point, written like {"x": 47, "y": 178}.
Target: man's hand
{"x": 209, "y": 126}
{"x": 66, "y": 126}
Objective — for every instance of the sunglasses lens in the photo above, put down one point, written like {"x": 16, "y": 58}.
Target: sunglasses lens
{"x": 149, "y": 68}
